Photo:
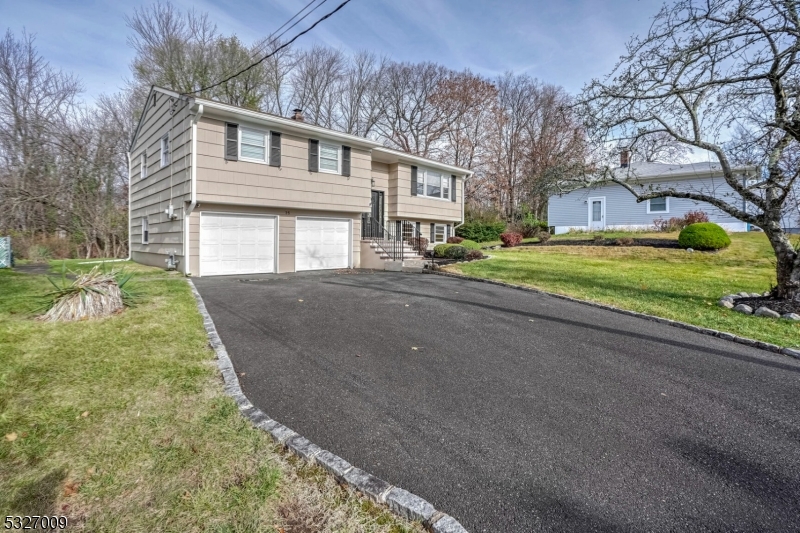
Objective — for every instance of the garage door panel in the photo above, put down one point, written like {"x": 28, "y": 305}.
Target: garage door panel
{"x": 322, "y": 244}
{"x": 236, "y": 244}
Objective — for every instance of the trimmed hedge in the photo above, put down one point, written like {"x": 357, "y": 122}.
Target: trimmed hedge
{"x": 481, "y": 231}
{"x": 455, "y": 251}
{"x": 440, "y": 249}
{"x": 704, "y": 236}
{"x": 470, "y": 245}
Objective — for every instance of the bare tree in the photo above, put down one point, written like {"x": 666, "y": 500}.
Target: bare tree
{"x": 659, "y": 147}
{"x": 315, "y": 78}
{"x": 411, "y": 122}
{"x": 360, "y": 102}
{"x": 705, "y": 71}
{"x": 35, "y": 103}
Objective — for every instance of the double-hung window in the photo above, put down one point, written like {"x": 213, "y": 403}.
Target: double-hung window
{"x": 145, "y": 231}
{"x": 253, "y": 145}
{"x": 165, "y": 150}
{"x": 439, "y": 233}
{"x": 143, "y": 165}
{"x": 329, "y": 158}
{"x": 433, "y": 184}
{"x": 658, "y": 205}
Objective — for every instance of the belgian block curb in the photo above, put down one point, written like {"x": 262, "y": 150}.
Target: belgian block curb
{"x": 791, "y": 352}
{"x": 401, "y": 502}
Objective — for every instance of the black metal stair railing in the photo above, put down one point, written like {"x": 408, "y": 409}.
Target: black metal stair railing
{"x": 388, "y": 242}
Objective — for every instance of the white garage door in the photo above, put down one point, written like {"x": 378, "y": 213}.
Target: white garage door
{"x": 236, "y": 244}
{"x": 322, "y": 243}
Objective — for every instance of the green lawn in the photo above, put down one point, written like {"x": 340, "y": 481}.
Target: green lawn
{"x": 120, "y": 424}
{"x": 670, "y": 283}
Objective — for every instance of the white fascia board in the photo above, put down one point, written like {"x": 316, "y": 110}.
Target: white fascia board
{"x": 287, "y": 125}
{"x": 422, "y": 161}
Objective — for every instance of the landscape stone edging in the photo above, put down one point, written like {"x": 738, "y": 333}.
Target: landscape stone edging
{"x": 399, "y": 501}
{"x": 791, "y": 352}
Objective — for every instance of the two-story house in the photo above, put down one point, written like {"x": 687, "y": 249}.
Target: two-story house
{"x": 225, "y": 190}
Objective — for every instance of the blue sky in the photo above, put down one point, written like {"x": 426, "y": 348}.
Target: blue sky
{"x": 557, "y": 41}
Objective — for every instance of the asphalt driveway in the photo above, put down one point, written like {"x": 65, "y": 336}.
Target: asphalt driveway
{"x": 514, "y": 411}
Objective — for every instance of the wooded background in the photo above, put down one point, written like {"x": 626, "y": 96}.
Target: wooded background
{"x": 63, "y": 162}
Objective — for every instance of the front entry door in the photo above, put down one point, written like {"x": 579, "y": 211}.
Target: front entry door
{"x": 372, "y": 227}
{"x": 597, "y": 213}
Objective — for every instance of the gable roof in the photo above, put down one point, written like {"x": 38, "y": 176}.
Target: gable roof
{"x": 293, "y": 126}
{"x": 655, "y": 171}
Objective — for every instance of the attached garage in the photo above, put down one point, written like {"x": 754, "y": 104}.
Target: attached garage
{"x": 232, "y": 243}
{"x": 322, "y": 243}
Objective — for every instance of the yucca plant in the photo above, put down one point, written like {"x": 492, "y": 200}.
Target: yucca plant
{"x": 93, "y": 294}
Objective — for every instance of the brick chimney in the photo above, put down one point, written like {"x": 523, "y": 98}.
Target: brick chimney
{"x": 624, "y": 158}
{"x": 298, "y": 115}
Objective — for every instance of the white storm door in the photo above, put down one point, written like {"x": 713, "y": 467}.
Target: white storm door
{"x": 597, "y": 213}
{"x": 322, "y": 243}
{"x": 236, "y": 244}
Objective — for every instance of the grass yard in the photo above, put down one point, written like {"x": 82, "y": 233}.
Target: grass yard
{"x": 670, "y": 283}
{"x": 121, "y": 424}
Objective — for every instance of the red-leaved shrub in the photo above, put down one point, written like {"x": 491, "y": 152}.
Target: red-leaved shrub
{"x": 473, "y": 254}
{"x": 455, "y": 240}
{"x": 693, "y": 217}
{"x": 511, "y": 239}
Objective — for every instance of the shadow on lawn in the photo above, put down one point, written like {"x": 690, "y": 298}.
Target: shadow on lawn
{"x": 38, "y": 498}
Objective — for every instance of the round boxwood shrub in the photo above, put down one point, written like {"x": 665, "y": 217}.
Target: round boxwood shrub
{"x": 704, "y": 236}
{"x": 441, "y": 249}
{"x": 470, "y": 245}
{"x": 455, "y": 251}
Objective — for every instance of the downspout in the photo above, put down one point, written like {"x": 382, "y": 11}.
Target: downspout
{"x": 130, "y": 213}
{"x": 462, "y": 202}
{"x": 193, "y": 191}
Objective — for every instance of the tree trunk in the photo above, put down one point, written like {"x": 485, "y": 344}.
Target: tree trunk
{"x": 787, "y": 264}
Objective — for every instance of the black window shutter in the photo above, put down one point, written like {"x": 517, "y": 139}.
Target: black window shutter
{"x": 453, "y": 188}
{"x": 345, "y": 160}
{"x": 419, "y": 230}
{"x": 446, "y": 232}
{"x": 433, "y": 230}
{"x": 413, "y": 180}
{"x": 313, "y": 155}
{"x": 231, "y": 142}
{"x": 274, "y": 149}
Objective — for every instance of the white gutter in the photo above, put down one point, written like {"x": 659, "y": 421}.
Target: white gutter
{"x": 187, "y": 210}
{"x": 463, "y": 188}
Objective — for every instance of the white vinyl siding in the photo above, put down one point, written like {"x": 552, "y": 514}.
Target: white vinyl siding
{"x": 433, "y": 184}
{"x": 658, "y": 205}
{"x": 165, "y": 150}
{"x": 329, "y": 158}
{"x": 253, "y": 145}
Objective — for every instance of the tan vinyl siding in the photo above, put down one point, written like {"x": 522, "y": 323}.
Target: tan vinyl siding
{"x": 288, "y": 186}
{"x": 152, "y": 195}
{"x": 402, "y": 205}
{"x": 286, "y": 231}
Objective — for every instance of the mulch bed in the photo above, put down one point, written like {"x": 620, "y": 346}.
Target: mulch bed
{"x": 652, "y": 243}
{"x": 780, "y": 306}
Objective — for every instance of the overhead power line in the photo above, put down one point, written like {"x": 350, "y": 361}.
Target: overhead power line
{"x": 281, "y": 47}
{"x": 272, "y": 38}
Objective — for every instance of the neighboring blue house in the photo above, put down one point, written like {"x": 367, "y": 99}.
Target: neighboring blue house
{"x": 611, "y": 206}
